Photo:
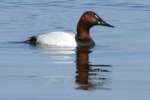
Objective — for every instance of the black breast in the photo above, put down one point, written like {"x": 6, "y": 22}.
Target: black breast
{"x": 84, "y": 42}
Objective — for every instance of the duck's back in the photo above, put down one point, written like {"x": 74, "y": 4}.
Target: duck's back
{"x": 57, "y": 39}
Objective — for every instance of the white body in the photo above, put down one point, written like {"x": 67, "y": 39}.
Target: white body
{"x": 62, "y": 39}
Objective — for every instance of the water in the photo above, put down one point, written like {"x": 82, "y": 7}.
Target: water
{"x": 116, "y": 69}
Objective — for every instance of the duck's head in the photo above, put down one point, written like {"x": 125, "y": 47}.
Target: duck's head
{"x": 90, "y": 18}
{"x": 86, "y": 21}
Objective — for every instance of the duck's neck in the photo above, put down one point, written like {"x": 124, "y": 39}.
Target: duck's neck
{"x": 83, "y": 37}
{"x": 83, "y": 30}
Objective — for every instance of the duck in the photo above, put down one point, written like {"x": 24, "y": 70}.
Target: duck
{"x": 64, "y": 39}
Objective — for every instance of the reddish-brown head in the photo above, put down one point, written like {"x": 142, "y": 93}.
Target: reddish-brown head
{"x": 88, "y": 20}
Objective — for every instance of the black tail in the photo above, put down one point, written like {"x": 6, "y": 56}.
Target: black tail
{"x": 32, "y": 40}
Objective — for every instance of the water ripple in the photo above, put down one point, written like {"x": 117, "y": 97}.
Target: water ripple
{"x": 129, "y": 5}
{"x": 74, "y": 4}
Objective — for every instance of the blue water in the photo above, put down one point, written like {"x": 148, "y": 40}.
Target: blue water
{"x": 117, "y": 68}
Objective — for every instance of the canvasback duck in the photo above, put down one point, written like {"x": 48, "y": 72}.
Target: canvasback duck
{"x": 63, "y": 39}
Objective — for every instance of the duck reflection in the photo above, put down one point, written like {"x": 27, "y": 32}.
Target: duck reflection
{"x": 90, "y": 76}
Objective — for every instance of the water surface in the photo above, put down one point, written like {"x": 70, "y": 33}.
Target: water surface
{"x": 116, "y": 69}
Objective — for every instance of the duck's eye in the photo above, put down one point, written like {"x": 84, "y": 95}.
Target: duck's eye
{"x": 96, "y": 16}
